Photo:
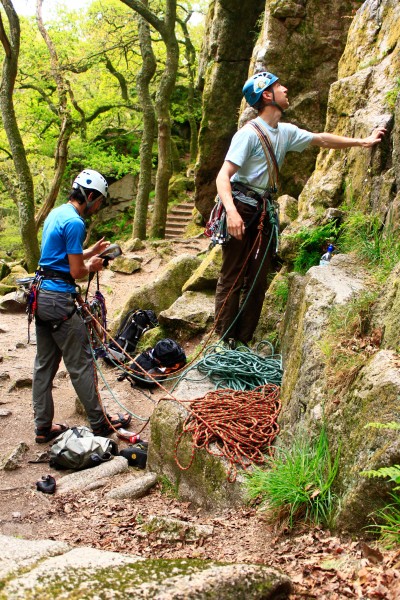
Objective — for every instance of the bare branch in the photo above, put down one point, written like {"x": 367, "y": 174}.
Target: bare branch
{"x": 121, "y": 79}
{"x": 147, "y": 14}
{"x": 4, "y": 39}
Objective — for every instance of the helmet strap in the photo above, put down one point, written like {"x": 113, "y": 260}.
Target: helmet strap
{"x": 274, "y": 103}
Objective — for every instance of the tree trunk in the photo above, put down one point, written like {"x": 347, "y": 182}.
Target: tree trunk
{"x": 190, "y": 55}
{"x": 26, "y": 196}
{"x": 149, "y": 128}
{"x": 166, "y": 28}
{"x": 61, "y": 154}
{"x": 166, "y": 88}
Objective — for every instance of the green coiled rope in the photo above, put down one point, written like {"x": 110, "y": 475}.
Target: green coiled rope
{"x": 240, "y": 369}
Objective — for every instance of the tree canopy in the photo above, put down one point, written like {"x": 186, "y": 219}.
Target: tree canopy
{"x": 76, "y": 100}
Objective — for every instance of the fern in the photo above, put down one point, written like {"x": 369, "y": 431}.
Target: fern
{"x": 391, "y": 425}
{"x": 392, "y": 472}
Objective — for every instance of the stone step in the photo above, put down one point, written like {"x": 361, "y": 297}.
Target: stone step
{"x": 174, "y": 231}
{"x": 181, "y": 210}
{"x": 177, "y": 219}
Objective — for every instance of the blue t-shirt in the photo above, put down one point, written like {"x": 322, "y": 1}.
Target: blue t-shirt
{"x": 63, "y": 233}
{"x": 247, "y": 152}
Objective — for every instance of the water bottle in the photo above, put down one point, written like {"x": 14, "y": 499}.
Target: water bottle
{"x": 128, "y": 436}
{"x": 325, "y": 258}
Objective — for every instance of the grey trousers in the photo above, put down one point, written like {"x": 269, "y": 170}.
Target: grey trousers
{"x": 70, "y": 342}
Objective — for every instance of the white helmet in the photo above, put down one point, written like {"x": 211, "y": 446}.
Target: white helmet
{"x": 91, "y": 180}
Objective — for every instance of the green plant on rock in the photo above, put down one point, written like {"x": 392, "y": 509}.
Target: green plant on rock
{"x": 365, "y": 235}
{"x": 391, "y": 97}
{"x": 311, "y": 243}
{"x": 296, "y": 484}
{"x": 349, "y": 340}
{"x": 387, "y": 519}
{"x": 280, "y": 291}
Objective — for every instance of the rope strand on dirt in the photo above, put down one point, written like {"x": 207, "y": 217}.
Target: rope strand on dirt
{"x": 240, "y": 425}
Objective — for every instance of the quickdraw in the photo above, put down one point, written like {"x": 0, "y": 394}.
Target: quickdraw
{"x": 31, "y": 306}
{"x": 216, "y": 227}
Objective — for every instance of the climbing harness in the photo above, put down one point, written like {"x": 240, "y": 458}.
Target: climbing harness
{"x": 240, "y": 426}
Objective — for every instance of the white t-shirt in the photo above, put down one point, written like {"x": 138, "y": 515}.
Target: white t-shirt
{"x": 247, "y": 152}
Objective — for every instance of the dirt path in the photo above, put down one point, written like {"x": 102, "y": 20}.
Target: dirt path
{"x": 322, "y": 566}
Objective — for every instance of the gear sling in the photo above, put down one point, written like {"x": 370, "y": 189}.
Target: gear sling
{"x": 242, "y": 263}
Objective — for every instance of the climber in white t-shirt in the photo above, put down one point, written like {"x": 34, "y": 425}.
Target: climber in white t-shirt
{"x": 244, "y": 187}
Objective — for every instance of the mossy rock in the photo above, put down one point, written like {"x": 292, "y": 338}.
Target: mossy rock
{"x": 205, "y": 483}
{"x": 206, "y": 275}
{"x": 165, "y": 289}
{"x": 126, "y": 265}
{"x": 17, "y": 272}
{"x": 46, "y": 569}
{"x": 7, "y": 289}
{"x": 4, "y": 269}
{"x": 132, "y": 245}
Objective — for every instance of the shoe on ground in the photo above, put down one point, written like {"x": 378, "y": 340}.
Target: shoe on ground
{"x": 112, "y": 424}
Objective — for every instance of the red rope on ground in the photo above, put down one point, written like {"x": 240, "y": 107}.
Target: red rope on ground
{"x": 242, "y": 424}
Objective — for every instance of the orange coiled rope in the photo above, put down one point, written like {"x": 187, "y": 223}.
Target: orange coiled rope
{"x": 242, "y": 425}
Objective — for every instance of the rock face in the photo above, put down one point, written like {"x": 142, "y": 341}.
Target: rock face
{"x": 313, "y": 34}
{"x": 311, "y": 298}
{"x": 369, "y": 393}
{"x": 223, "y": 70}
{"x": 358, "y": 102}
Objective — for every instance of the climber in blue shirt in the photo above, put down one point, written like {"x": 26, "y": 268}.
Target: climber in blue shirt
{"x": 60, "y": 330}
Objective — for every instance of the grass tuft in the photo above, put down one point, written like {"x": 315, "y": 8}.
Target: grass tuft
{"x": 297, "y": 483}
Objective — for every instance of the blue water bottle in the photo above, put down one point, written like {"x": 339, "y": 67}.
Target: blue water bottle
{"x": 325, "y": 258}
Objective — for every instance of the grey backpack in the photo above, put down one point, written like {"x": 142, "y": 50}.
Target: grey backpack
{"x": 79, "y": 448}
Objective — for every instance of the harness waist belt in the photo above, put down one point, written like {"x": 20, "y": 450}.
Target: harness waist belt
{"x": 246, "y": 191}
{"x": 53, "y": 274}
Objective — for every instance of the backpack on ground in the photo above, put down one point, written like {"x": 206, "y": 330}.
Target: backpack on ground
{"x": 128, "y": 335}
{"x": 78, "y": 448}
{"x": 159, "y": 362}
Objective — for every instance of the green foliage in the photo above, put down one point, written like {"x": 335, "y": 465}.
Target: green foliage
{"x": 119, "y": 228}
{"x": 296, "y": 485}
{"x": 392, "y": 472}
{"x": 353, "y": 318}
{"x": 312, "y": 243}
{"x": 391, "y": 96}
{"x": 280, "y": 291}
{"x": 348, "y": 341}
{"x": 103, "y": 159}
{"x": 387, "y": 519}
{"x": 167, "y": 487}
{"x": 365, "y": 235}
{"x": 387, "y": 523}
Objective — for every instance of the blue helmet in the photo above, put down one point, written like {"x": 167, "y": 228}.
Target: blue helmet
{"x": 254, "y": 87}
